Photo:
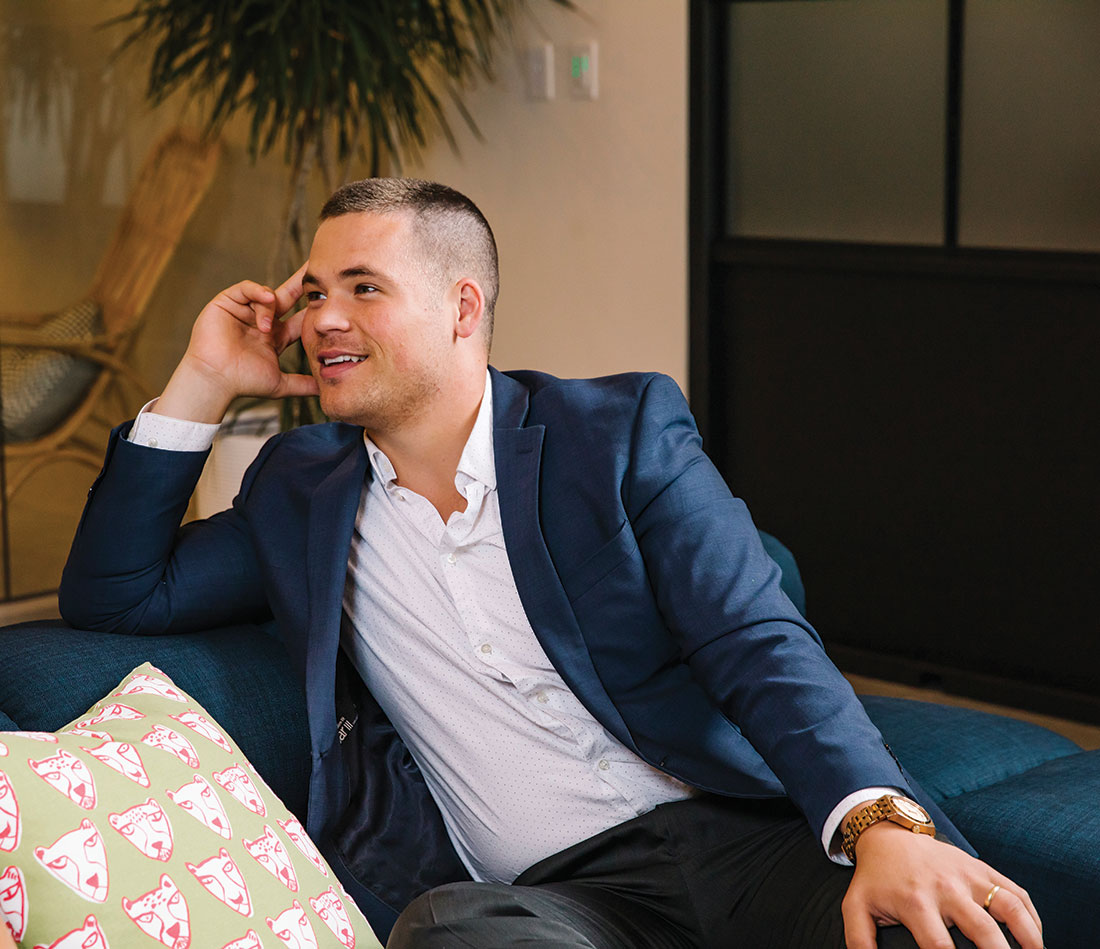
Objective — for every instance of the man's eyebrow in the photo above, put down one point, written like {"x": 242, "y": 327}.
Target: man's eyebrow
{"x": 359, "y": 271}
{"x": 346, "y": 274}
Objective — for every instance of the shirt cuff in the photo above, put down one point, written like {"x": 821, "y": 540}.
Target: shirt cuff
{"x": 170, "y": 434}
{"x": 830, "y": 833}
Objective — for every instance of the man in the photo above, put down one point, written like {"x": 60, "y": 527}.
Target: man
{"x": 545, "y": 589}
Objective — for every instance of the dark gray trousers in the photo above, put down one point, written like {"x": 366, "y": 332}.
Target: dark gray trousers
{"x": 707, "y": 873}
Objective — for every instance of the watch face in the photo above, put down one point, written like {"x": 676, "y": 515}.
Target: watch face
{"x": 910, "y": 809}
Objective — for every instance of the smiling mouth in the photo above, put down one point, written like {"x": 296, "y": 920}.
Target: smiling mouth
{"x": 336, "y": 360}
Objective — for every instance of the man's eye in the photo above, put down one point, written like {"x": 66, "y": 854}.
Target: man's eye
{"x": 314, "y": 296}
{"x": 366, "y": 288}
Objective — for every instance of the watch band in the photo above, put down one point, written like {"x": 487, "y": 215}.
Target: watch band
{"x": 892, "y": 807}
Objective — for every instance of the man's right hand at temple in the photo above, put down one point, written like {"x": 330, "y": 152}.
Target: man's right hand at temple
{"x": 234, "y": 351}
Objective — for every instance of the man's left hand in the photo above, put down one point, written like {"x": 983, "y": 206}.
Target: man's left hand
{"x": 927, "y": 886}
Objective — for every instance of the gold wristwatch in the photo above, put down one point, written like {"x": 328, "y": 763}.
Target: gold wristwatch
{"x": 892, "y": 807}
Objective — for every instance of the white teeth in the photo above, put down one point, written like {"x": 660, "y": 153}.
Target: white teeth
{"x": 339, "y": 359}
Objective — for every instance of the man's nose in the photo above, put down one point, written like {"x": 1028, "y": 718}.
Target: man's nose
{"x": 328, "y": 317}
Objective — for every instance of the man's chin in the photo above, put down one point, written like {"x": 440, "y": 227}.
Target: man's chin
{"x": 334, "y": 414}
{"x": 338, "y": 410}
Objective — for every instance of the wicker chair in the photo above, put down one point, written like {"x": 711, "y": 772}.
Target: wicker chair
{"x": 175, "y": 176}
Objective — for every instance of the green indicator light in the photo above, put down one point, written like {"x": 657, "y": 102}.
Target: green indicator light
{"x": 577, "y": 67}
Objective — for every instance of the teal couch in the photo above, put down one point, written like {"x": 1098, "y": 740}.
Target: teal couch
{"x": 1024, "y": 796}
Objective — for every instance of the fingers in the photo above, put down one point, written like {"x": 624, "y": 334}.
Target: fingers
{"x": 927, "y": 920}
{"x": 928, "y": 886}
{"x": 293, "y": 384}
{"x": 1012, "y": 906}
{"x": 1025, "y": 902}
{"x": 287, "y": 331}
{"x": 981, "y": 928}
{"x": 249, "y": 302}
{"x": 289, "y": 291}
{"x": 860, "y": 928}
{"x": 258, "y": 305}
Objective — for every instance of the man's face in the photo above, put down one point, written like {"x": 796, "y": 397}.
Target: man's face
{"x": 378, "y": 330}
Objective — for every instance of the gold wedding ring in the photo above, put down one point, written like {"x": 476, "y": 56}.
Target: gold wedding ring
{"x": 989, "y": 899}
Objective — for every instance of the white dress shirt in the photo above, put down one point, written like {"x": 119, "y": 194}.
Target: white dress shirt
{"x": 519, "y": 768}
{"x": 434, "y": 624}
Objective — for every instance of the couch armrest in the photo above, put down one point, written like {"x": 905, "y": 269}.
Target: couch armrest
{"x": 53, "y": 673}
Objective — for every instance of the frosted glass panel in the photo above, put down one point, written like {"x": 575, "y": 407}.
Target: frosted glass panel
{"x": 1030, "y": 173}
{"x": 836, "y": 120}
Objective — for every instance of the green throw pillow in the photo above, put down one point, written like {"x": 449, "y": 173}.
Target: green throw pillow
{"x": 142, "y": 824}
{"x": 39, "y": 388}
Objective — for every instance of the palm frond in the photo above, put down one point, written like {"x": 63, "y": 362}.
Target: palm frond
{"x": 346, "y": 67}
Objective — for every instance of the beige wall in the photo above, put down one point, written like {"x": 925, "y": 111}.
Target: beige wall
{"x": 588, "y": 199}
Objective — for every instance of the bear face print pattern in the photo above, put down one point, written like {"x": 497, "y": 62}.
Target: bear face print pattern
{"x": 110, "y": 712}
{"x": 88, "y": 936}
{"x": 10, "y": 823}
{"x": 199, "y": 800}
{"x": 170, "y": 740}
{"x": 293, "y": 929}
{"x": 128, "y": 868}
{"x": 330, "y": 908}
{"x": 163, "y": 914}
{"x": 236, "y": 781}
{"x": 201, "y": 725}
{"x": 298, "y": 836}
{"x": 147, "y": 827}
{"x": 221, "y": 878}
{"x": 250, "y": 940}
{"x": 13, "y": 901}
{"x": 69, "y": 775}
{"x": 269, "y": 852}
{"x": 123, "y": 758}
{"x": 89, "y": 733}
{"x": 150, "y": 685}
{"x": 79, "y": 860}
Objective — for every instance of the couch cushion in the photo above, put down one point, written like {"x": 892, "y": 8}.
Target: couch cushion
{"x": 42, "y": 386}
{"x": 951, "y": 750}
{"x": 1042, "y": 829}
{"x": 147, "y": 811}
{"x": 240, "y": 673}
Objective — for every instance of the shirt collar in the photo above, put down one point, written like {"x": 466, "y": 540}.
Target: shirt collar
{"x": 477, "y": 462}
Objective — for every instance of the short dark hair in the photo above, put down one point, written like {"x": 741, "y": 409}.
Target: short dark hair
{"x": 455, "y": 237}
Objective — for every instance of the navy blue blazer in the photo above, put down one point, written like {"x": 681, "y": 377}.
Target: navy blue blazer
{"x": 642, "y": 576}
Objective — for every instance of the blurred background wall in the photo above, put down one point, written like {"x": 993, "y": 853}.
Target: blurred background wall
{"x": 588, "y": 200}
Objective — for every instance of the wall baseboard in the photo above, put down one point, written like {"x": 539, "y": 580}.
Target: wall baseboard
{"x": 1016, "y": 693}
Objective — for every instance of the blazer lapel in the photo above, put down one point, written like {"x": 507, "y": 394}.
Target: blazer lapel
{"x": 332, "y": 512}
{"x": 517, "y": 447}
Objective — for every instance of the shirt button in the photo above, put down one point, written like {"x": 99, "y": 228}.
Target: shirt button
{"x": 604, "y": 764}
{"x": 543, "y": 697}
{"x": 152, "y": 443}
{"x": 486, "y": 648}
{"x": 452, "y": 559}
{"x": 403, "y": 498}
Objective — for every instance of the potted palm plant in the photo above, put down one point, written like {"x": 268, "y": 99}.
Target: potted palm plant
{"x": 327, "y": 81}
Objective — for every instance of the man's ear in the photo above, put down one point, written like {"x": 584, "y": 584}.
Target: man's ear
{"x": 471, "y": 307}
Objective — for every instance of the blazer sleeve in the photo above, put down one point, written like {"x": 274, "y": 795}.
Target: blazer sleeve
{"x": 133, "y": 569}
{"x": 747, "y": 645}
